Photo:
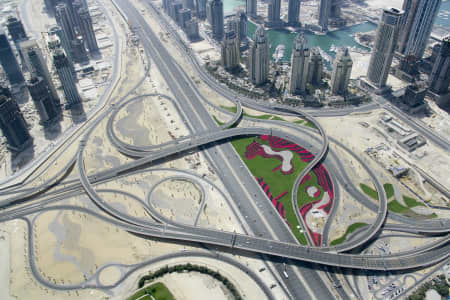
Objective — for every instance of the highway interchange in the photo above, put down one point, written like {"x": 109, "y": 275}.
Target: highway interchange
{"x": 245, "y": 197}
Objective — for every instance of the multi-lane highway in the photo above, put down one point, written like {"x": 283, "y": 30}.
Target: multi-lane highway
{"x": 265, "y": 233}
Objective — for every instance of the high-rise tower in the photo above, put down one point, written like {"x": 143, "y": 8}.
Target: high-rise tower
{"x": 230, "y": 55}
{"x": 13, "y": 125}
{"x": 214, "y": 12}
{"x": 37, "y": 65}
{"x": 200, "y": 9}
{"x": 15, "y": 29}
{"x": 324, "y": 14}
{"x": 67, "y": 80}
{"x": 416, "y": 26}
{"x": 293, "y": 12}
{"x": 299, "y": 58}
{"x": 342, "y": 69}
{"x": 315, "y": 67}
{"x": 383, "y": 50}
{"x": 64, "y": 20}
{"x": 440, "y": 75}
{"x": 78, "y": 51}
{"x": 184, "y": 15}
{"x": 243, "y": 28}
{"x": 43, "y": 101}
{"x": 77, "y": 5}
{"x": 188, "y": 4}
{"x": 274, "y": 10}
{"x": 259, "y": 57}
{"x": 251, "y": 8}
{"x": 8, "y": 60}
{"x": 87, "y": 30}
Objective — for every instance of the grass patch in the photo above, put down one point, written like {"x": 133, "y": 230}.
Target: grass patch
{"x": 389, "y": 189}
{"x": 309, "y": 124}
{"x": 350, "y": 229}
{"x": 261, "y": 117}
{"x": 217, "y": 121}
{"x": 369, "y": 191}
{"x": 278, "y": 182}
{"x": 412, "y": 202}
{"x": 396, "y": 207}
{"x": 233, "y": 109}
{"x": 158, "y": 290}
{"x": 305, "y": 123}
{"x": 276, "y": 118}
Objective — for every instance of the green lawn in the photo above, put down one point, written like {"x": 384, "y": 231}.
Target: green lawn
{"x": 389, "y": 189}
{"x": 217, "y": 121}
{"x": 233, "y": 109}
{"x": 369, "y": 191}
{"x": 268, "y": 117}
{"x": 309, "y": 124}
{"x": 158, "y": 290}
{"x": 412, "y": 202}
{"x": 350, "y": 229}
{"x": 278, "y": 182}
{"x": 396, "y": 207}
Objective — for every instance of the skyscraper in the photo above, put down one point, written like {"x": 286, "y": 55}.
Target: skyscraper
{"x": 15, "y": 29}
{"x": 293, "y": 12}
{"x": 188, "y": 4}
{"x": 259, "y": 57}
{"x": 238, "y": 23}
{"x": 416, "y": 26}
{"x": 192, "y": 29}
{"x": 78, "y": 51}
{"x": 65, "y": 76}
{"x": 273, "y": 13}
{"x": 165, "y": 5}
{"x": 214, "y": 13}
{"x": 43, "y": 100}
{"x": 64, "y": 20}
{"x": 174, "y": 8}
{"x": 335, "y": 9}
{"x": 299, "y": 58}
{"x": 184, "y": 15}
{"x": 324, "y": 14}
{"x": 71, "y": 11}
{"x": 342, "y": 69}
{"x": 37, "y": 65}
{"x": 243, "y": 29}
{"x": 230, "y": 55}
{"x": 315, "y": 67}
{"x": 77, "y": 6}
{"x": 87, "y": 31}
{"x": 8, "y": 60}
{"x": 440, "y": 75}
{"x": 200, "y": 9}
{"x": 383, "y": 50}
{"x": 13, "y": 125}
{"x": 57, "y": 32}
{"x": 251, "y": 8}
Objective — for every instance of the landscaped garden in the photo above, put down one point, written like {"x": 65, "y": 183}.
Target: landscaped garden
{"x": 276, "y": 164}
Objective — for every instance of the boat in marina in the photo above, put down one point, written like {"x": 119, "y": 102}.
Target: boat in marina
{"x": 279, "y": 53}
